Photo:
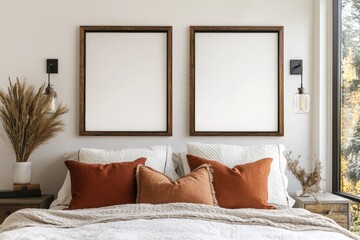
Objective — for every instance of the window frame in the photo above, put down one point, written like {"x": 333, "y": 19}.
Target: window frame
{"x": 336, "y": 102}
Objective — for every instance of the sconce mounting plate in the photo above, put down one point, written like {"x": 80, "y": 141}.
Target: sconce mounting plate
{"x": 51, "y": 65}
{"x": 296, "y": 67}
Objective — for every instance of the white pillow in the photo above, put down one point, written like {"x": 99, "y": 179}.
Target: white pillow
{"x": 157, "y": 157}
{"x": 232, "y": 155}
{"x": 176, "y": 158}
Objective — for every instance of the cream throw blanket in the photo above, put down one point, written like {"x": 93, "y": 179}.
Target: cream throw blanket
{"x": 289, "y": 218}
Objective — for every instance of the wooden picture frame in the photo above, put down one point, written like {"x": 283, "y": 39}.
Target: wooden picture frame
{"x": 236, "y": 81}
{"x": 125, "y": 81}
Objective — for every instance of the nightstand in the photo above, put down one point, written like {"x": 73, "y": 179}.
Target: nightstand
{"x": 332, "y": 206}
{"x": 10, "y": 205}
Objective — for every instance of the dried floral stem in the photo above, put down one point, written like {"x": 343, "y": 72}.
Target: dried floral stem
{"x": 24, "y": 118}
{"x": 310, "y": 181}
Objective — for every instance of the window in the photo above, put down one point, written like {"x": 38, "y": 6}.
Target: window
{"x": 346, "y": 99}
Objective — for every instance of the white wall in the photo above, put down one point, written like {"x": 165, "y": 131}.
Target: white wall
{"x": 31, "y": 31}
{"x": 321, "y": 88}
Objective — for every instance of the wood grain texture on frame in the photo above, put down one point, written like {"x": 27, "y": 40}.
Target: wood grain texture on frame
{"x": 125, "y": 29}
{"x": 280, "y": 96}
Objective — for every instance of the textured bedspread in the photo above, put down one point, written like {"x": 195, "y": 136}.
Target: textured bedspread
{"x": 170, "y": 221}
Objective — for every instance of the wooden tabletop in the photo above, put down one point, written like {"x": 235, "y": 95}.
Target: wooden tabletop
{"x": 323, "y": 198}
{"x": 27, "y": 200}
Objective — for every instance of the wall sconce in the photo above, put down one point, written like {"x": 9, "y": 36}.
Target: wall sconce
{"x": 301, "y": 100}
{"x": 51, "y": 67}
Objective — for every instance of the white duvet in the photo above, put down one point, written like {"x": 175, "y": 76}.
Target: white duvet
{"x": 170, "y": 221}
{"x": 167, "y": 229}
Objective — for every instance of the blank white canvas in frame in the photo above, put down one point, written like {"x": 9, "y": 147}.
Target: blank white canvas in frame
{"x": 236, "y": 82}
{"x": 126, "y": 81}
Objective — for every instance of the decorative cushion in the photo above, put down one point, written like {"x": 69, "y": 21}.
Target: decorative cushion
{"x": 243, "y": 186}
{"x": 159, "y": 157}
{"x": 232, "y": 155}
{"x": 157, "y": 188}
{"x": 98, "y": 185}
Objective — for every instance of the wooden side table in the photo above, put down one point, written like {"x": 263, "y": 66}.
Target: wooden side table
{"x": 332, "y": 206}
{"x": 10, "y": 205}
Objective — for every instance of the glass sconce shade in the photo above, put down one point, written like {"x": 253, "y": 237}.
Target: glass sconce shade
{"x": 50, "y": 94}
{"x": 301, "y": 101}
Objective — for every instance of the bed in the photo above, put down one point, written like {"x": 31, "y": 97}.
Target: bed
{"x": 170, "y": 221}
{"x": 178, "y": 220}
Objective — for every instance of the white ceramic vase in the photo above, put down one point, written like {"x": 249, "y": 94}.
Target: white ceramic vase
{"x": 22, "y": 172}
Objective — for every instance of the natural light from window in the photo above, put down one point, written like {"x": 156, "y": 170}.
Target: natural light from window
{"x": 350, "y": 97}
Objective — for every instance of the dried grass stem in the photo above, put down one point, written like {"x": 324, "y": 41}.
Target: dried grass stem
{"x": 24, "y": 118}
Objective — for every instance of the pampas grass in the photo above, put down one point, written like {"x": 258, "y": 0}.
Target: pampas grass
{"x": 24, "y": 118}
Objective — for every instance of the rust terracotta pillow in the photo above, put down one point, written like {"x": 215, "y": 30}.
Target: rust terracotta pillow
{"x": 243, "y": 186}
{"x": 157, "y": 188}
{"x": 98, "y": 185}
